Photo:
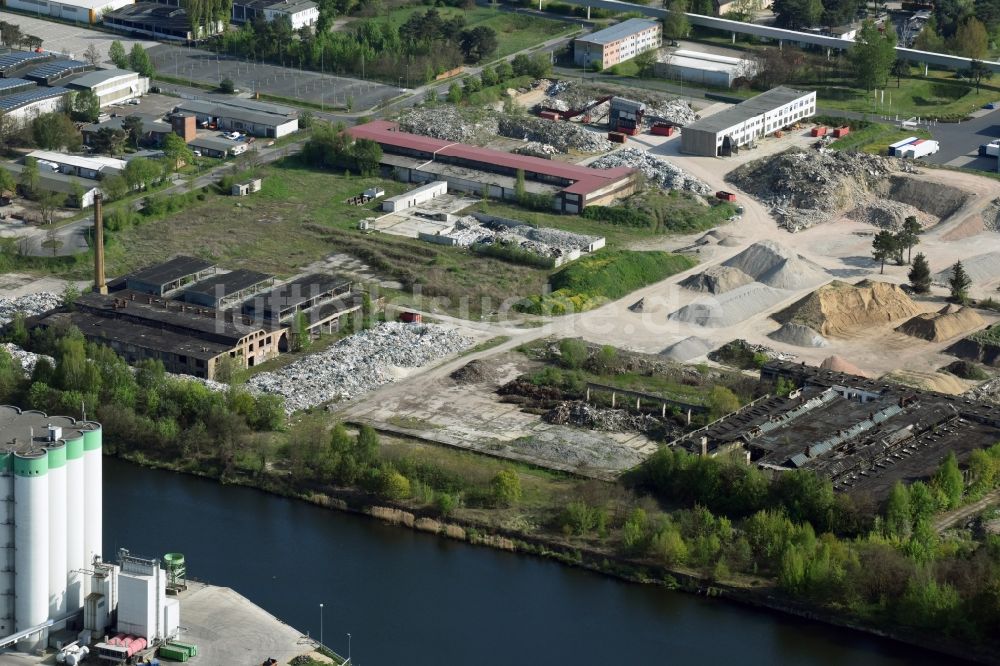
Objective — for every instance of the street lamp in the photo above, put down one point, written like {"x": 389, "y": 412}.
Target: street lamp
{"x": 321, "y": 625}
{"x": 348, "y": 648}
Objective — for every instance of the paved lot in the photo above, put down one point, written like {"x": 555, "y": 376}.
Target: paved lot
{"x": 325, "y": 89}
{"x": 960, "y": 141}
{"x": 69, "y": 39}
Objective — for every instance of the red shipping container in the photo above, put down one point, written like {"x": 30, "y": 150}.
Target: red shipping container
{"x": 661, "y": 129}
{"x": 725, "y": 196}
{"x": 841, "y": 131}
{"x": 819, "y": 131}
{"x": 410, "y": 317}
{"x": 617, "y": 137}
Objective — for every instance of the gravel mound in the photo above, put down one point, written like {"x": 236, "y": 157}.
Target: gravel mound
{"x": 966, "y": 370}
{"x": 928, "y": 381}
{"x": 717, "y": 280}
{"x": 777, "y": 266}
{"x": 359, "y": 363}
{"x": 656, "y": 170}
{"x": 839, "y": 309}
{"x": 807, "y": 188}
{"x": 687, "y": 349}
{"x": 949, "y": 322}
{"x": 889, "y": 214}
{"x": 840, "y": 364}
{"x": 560, "y": 135}
{"x": 451, "y": 123}
{"x": 981, "y": 268}
{"x": 799, "y": 335}
{"x": 730, "y": 308}
{"x": 29, "y": 304}
{"x": 475, "y": 372}
{"x": 991, "y": 215}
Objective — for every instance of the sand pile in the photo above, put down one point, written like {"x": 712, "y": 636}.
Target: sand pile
{"x": 941, "y": 382}
{"x": 840, "y": 308}
{"x": 717, "y": 280}
{"x": 718, "y": 237}
{"x": 981, "y": 268}
{"x": 799, "y": 335}
{"x": 889, "y": 214}
{"x": 687, "y": 349}
{"x": 777, "y": 266}
{"x": 841, "y": 364}
{"x": 949, "y": 322}
{"x": 731, "y": 307}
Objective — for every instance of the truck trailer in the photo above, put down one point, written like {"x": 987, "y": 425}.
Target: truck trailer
{"x": 917, "y": 149}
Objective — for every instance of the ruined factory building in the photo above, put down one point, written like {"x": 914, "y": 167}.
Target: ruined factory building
{"x": 414, "y": 158}
{"x": 862, "y": 434}
{"x": 723, "y": 133}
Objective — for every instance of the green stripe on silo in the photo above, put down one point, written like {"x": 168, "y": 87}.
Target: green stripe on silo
{"x": 74, "y": 448}
{"x": 33, "y": 464}
{"x": 57, "y": 456}
{"x": 5, "y": 461}
{"x": 92, "y": 439}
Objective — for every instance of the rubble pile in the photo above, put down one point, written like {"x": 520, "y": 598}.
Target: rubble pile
{"x": 743, "y": 354}
{"x": 804, "y": 189}
{"x": 536, "y": 149}
{"x": 584, "y": 415}
{"x": 561, "y": 135}
{"x": 29, "y": 304}
{"x": 475, "y": 372}
{"x": 991, "y": 215}
{"x": 359, "y": 363}
{"x": 543, "y": 241}
{"x": 658, "y": 171}
{"x": 889, "y": 214}
{"x": 451, "y": 123}
{"x": 568, "y": 95}
{"x": 675, "y": 111}
{"x": 27, "y": 359}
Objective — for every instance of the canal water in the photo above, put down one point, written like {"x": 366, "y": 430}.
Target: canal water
{"x": 410, "y": 599}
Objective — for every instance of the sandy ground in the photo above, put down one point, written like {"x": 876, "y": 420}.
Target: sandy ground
{"x": 14, "y": 285}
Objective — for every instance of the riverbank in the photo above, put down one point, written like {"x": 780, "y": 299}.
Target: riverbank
{"x": 758, "y": 593}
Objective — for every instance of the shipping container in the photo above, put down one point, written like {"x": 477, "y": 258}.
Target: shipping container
{"x": 410, "y": 317}
{"x": 725, "y": 196}
{"x": 818, "y": 131}
{"x": 918, "y": 149}
{"x": 841, "y": 132}
{"x": 662, "y": 129}
{"x": 190, "y": 648}
{"x": 549, "y": 115}
{"x": 616, "y": 137}
{"x": 991, "y": 149}
{"x": 172, "y": 653}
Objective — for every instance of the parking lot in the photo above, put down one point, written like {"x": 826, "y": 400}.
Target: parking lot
{"x": 71, "y": 40}
{"x": 960, "y": 141}
{"x": 210, "y": 68}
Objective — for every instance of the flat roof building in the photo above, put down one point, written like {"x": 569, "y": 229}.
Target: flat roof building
{"x": 224, "y": 289}
{"x": 160, "y": 21}
{"x": 723, "y": 133}
{"x": 300, "y": 13}
{"x": 159, "y": 279}
{"x": 93, "y": 168}
{"x": 13, "y": 86}
{"x": 16, "y": 61}
{"x": 111, "y": 85}
{"x": 323, "y": 299}
{"x": 415, "y": 158}
{"x": 48, "y": 73}
{"x": 217, "y": 146}
{"x": 258, "y": 119}
{"x": 618, "y": 43}
{"x": 77, "y": 11}
{"x": 79, "y": 192}
{"x": 704, "y": 68}
{"x": 23, "y": 107}
{"x": 153, "y": 130}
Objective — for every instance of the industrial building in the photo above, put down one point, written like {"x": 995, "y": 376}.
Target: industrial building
{"x": 725, "y": 132}
{"x": 243, "y": 115}
{"x": 93, "y": 168}
{"x": 51, "y": 72}
{"x": 705, "y": 68}
{"x": 23, "y": 107}
{"x": 862, "y": 434}
{"x": 300, "y": 13}
{"x": 13, "y": 62}
{"x": 621, "y": 42}
{"x": 79, "y": 11}
{"x": 217, "y": 146}
{"x": 159, "y": 21}
{"x": 413, "y": 158}
{"x": 415, "y": 197}
{"x": 154, "y": 130}
{"x": 111, "y": 85}
{"x": 79, "y": 193}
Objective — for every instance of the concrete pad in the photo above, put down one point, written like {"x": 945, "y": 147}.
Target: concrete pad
{"x": 71, "y": 40}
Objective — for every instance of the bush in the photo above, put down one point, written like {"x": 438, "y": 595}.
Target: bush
{"x": 573, "y": 353}
{"x": 619, "y": 215}
{"x": 505, "y": 488}
{"x": 513, "y": 254}
{"x": 227, "y": 86}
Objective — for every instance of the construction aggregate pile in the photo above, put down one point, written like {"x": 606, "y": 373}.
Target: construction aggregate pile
{"x": 743, "y": 354}
{"x": 584, "y": 415}
{"x": 808, "y": 188}
{"x": 536, "y": 149}
{"x": 717, "y": 279}
{"x": 949, "y": 322}
{"x": 799, "y": 335}
{"x": 656, "y": 170}
{"x": 569, "y": 95}
{"x": 718, "y": 237}
{"x": 29, "y": 305}
{"x": 889, "y": 214}
{"x": 837, "y": 363}
{"x": 942, "y": 382}
{"x": 731, "y": 307}
{"x": 475, "y": 372}
{"x": 359, "y": 363}
{"x": 966, "y": 370}
{"x": 688, "y": 349}
{"x": 981, "y": 269}
{"x": 777, "y": 266}
{"x": 991, "y": 215}
{"x": 840, "y": 309}
{"x": 543, "y": 241}
{"x": 560, "y": 135}
{"x": 451, "y": 123}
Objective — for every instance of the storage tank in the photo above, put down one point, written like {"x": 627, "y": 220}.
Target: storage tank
{"x": 6, "y": 544}
{"x": 31, "y": 544}
{"x": 92, "y": 493}
{"x": 57, "y": 527}
{"x": 75, "y": 556}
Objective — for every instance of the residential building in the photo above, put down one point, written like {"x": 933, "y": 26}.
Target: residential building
{"x": 111, "y": 85}
{"x": 621, "y": 42}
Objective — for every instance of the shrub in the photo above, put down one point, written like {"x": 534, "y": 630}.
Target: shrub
{"x": 619, "y": 215}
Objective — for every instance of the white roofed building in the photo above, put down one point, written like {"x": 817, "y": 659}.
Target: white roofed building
{"x": 81, "y": 11}
{"x": 111, "y": 85}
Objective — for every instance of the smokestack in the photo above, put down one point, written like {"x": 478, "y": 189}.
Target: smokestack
{"x": 100, "y": 285}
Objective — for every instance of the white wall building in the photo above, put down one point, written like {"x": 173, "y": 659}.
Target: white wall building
{"x": 81, "y": 11}
{"x": 21, "y": 108}
{"x": 415, "y": 197}
{"x": 705, "y": 68}
{"x": 724, "y": 132}
{"x": 143, "y": 607}
{"x": 111, "y": 85}
{"x": 618, "y": 43}
{"x": 299, "y": 12}
{"x": 93, "y": 168}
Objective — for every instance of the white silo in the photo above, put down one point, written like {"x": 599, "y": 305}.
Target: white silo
{"x": 57, "y": 522}
{"x": 75, "y": 556}
{"x": 93, "y": 488}
{"x": 31, "y": 544}
{"x": 6, "y": 537}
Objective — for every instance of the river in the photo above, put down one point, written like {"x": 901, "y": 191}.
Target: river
{"x": 409, "y": 598}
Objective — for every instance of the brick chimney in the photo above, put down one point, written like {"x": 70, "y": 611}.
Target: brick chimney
{"x": 100, "y": 285}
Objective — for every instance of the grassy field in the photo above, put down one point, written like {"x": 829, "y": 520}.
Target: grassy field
{"x": 876, "y": 138}
{"x": 942, "y": 95}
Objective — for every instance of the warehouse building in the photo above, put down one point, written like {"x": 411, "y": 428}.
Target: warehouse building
{"x": 416, "y": 196}
{"x": 413, "y": 158}
{"x": 79, "y": 11}
{"x": 243, "y": 115}
{"x": 705, "y": 68}
{"x": 14, "y": 62}
{"x": 322, "y": 300}
{"x": 79, "y": 193}
{"x": 217, "y": 146}
{"x": 159, "y": 21}
{"x": 93, "y": 168}
{"x": 111, "y": 85}
{"x": 51, "y": 72}
{"x": 621, "y": 42}
{"x": 300, "y": 13}
{"x": 723, "y": 133}
{"x": 23, "y": 107}
{"x": 154, "y": 130}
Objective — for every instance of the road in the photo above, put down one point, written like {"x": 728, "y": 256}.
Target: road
{"x": 949, "y": 518}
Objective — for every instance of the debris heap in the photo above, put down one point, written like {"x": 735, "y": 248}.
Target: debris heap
{"x": 560, "y": 135}
{"x": 29, "y": 304}
{"x": 657, "y": 170}
{"x": 27, "y": 359}
{"x": 451, "y": 123}
{"x": 543, "y": 241}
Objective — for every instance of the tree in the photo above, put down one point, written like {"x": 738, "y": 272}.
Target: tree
{"x": 573, "y": 353}
{"x": 971, "y": 39}
{"x": 675, "y": 24}
{"x": 92, "y": 55}
{"x": 898, "y": 515}
{"x": 478, "y": 43}
{"x": 132, "y": 126}
{"x": 873, "y": 55}
{"x": 86, "y": 106}
{"x": 959, "y": 283}
{"x": 489, "y": 77}
{"x": 54, "y": 131}
{"x": 900, "y": 68}
{"x": 140, "y": 173}
{"x": 10, "y": 34}
{"x": 885, "y": 246}
{"x": 948, "y": 481}
{"x": 454, "y": 93}
{"x": 177, "y": 151}
{"x": 920, "y": 274}
{"x": 645, "y": 62}
{"x": 116, "y": 52}
{"x": 978, "y": 72}
{"x": 722, "y": 401}
{"x": 394, "y": 485}
{"x": 7, "y": 183}
{"x": 505, "y": 70}
{"x": 929, "y": 38}
{"x": 301, "y": 339}
{"x": 909, "y": 235}
{"x": 114, "y": 187}
{"x": 796, "y": 14}
{"x": 227, "y": 86}
{"x": 49, "y": 201}
{"x": 29, "y": 178}
{"x": 505, "y": 488}
{"x": 745, "y": 10}
{"x": 139, "y": 61}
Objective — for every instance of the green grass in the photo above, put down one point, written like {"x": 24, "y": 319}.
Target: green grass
{"x": 990, "y": 335}
{"x": 876, "y": 138}
{"x": 615, "y": 235}
{"x": 604, "y": 276}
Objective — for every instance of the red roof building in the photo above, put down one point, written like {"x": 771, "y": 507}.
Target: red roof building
{"x": 416, "y": 158}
